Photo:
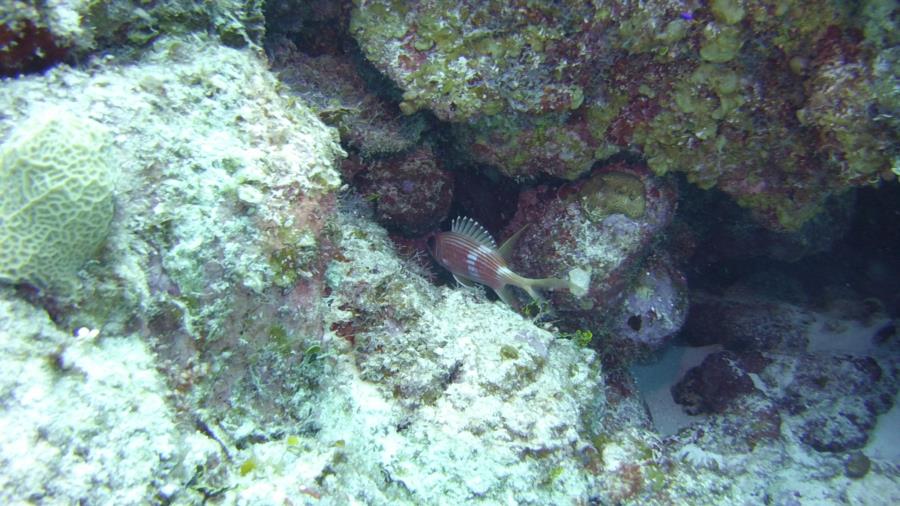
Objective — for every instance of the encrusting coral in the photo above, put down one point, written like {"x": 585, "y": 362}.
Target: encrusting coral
{"x": 252, "y": 333}
{"x": 778, "y": 103}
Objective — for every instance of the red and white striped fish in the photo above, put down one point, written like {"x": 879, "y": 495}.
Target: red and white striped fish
{"x": 469, "y": 252}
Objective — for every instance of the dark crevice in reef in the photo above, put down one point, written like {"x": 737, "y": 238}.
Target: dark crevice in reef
{"x": 26, "y": 48}
{"x": 860, "y": 263}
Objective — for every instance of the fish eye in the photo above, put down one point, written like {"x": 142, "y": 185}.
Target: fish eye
{"x": 431, "y": 242}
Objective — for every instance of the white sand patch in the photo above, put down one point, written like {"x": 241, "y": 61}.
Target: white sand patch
{"x": 655, "y": 383}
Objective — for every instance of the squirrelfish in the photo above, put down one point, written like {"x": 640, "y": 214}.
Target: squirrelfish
{"x": 470, "y": 253}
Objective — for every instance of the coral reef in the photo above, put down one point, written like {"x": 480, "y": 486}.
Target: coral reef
{"x": 830, "y": 403}
{"x": 742, "y": 121}
{"x": 411, "y": 191}
{"x": 462, "y": 61}
{"x": 83, "y": 419}
{"x": 218, "y": 251}
{"x": 446, "y": 358}
{"x": 828, "y": 373}
{"x": 779, "y": 104}
{"x": 332, "y": 87}
{"x": 221, "y": 240}
{"x": 37, "y": 35}
{"x": 56, "y": 199}
{"x": 599, "y": 232}
{"x": 258, "y": 328}
{"x": 522, "y": 146}
{"x": 653, "y": 308}
{"x": 125, "y": 23}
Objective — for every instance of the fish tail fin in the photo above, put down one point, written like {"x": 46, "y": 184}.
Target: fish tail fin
{"x": 531, "y": 286}
{"x": 550, "y": 284}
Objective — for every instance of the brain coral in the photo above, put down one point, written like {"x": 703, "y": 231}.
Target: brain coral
{"x": 56, "y": 199}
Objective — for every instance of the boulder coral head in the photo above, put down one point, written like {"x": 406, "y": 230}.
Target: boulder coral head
{"x": 56, "y": 199}
{"x": 602, "y": 225}
{"x": 411, "y": 191}
{"x": 653, "y": 308}
{"x": 600, "y": 233}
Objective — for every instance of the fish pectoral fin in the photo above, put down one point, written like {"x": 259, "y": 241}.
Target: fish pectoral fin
{"x": 507, "y": 296}
{"x": 468, "y": 283}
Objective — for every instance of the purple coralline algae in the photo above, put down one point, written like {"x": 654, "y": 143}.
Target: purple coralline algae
{"x": 604, "y": 228}
{"x": 830, "y": 402}
{"x": 717, "y": 383}
{"x": 333, "y": 88}
{"x": 653, "y": 308}
{"x": 411, "y": 192}
{"x": 775, "y": 103}
{"x": 462, "y": 60}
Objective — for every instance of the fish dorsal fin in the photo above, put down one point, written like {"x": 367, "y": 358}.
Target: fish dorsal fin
{"x": 507, "y": 248}
{"x": 473, "y": 230}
